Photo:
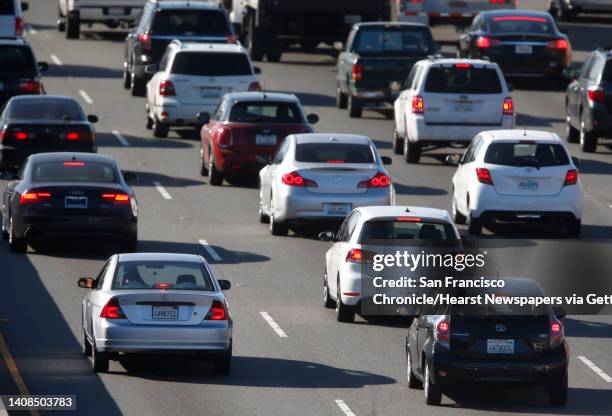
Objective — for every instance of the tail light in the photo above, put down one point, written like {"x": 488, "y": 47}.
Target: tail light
{"x": 166, "y": 89}
{"x": 77, "y": 135}
{"x": 508, "y": 106}
{"x": 484, "y": 42}
{"x": 30, "y": 87}
{"x": 233, "y": 39}
{"x": 557, "y": 334}
{"x": 19, "y": 26}
{"x": 145, "y": 41}
{"x": 16, "y": 135}
{"x": 75, "y": 164}
{"x": 442, "y": 332}
{"x": 463, "y": 66}
{"x": 295, "y": 179}
{"x": 418, "y": 105}
{"x": 255, "y": 86}
{"x": 571, "y": 177}
{"x": 357, "y": 72}
{"x": 224, "y": 137}
{"x": 34, "y": 197}
{"x": 217, "y": 312}
{"x": 596, "y": 95}
{"x": 557, "y": 44}
{"x": 357, "y": 255}
{"x": 380, "y": 180}
{"x": 484, "y": 176}
{"x": 112, "y": 310}
{"x": 117, "y": 198}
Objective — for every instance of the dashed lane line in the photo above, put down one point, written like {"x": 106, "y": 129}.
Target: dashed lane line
{"x": 276, "y": 327}
{"x": 86, "y": 97}
{"x": 122, "y": 140}
{"x": 56, "y": 60}
{"x": 596, "y": 369}
{"x": 160, "y": 188}
{"x": 211, "y": 251}
{"x": 345, "y": 408}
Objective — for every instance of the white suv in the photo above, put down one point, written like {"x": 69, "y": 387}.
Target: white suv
{"x": 191, "y": 79}
{"x": 73, "y": 13}
{"x": 11, "y": 18}
{"x": 517, "y": 176}
{"x": 449, "y": 101}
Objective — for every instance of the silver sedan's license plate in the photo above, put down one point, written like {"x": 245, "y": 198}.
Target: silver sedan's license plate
{"x": 523, "y": 49}
{"x": 500, "y": 346}
{"x": 265, "y": 139}
{"x": 166, "y": 313}
{"x": 337, "y": 209}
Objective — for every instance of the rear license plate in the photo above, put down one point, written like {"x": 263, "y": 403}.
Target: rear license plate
{"x": 500, "y": 346}
{"x": 528, "y": 185}
{"x": 265, "y": 139}
{"x": 337, "y": 209}
{"x": 349, "y": 19}
{"x": 116, "y": 11}
{"x": 210, "y": 92}
{"x": 463, "y": 107}
{"x": 166, "y": 313}
{"x": 523, "y": 49}
{"x": 75, "y": 202}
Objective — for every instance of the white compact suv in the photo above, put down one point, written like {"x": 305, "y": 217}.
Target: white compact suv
{"x": 517, "y": 176}
{"x": 72, "y": 13}
{"x": 447, "y": 102}
{"x": 11, "y": 18}
{"x": 191, "y": 79}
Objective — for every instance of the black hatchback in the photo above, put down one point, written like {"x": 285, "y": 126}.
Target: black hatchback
{"x": 500, "y": 343}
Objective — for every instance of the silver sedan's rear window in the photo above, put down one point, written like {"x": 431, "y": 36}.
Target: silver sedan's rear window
{"x": 334, "y": 153}
{"x": 167, "y": 275}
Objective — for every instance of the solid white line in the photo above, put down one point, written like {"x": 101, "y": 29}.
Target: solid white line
{"x": 121, "y": 139}
{"x": 55, "y": 59}
{"x": 596, "y": 369}
{"x": 211, "y": 250}
{"x": 162, "y": 190}
{"x": 344, "y": 407}
{"x": 276, "y": 327}
{"x": 86, "y": 97}
{"x": 32, "y": 30}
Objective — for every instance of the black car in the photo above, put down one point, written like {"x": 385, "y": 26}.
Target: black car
{"x": 162, "y": 22}
{"x": 69, "y": 195}
{"x": 19, "y": 71}
{"x": 449, "y": 346}
{"x": 588, "y": 103}
{"x": 44, "y": 123}
{"x": 523, "y": 43}
{"x": 570, "y": 9}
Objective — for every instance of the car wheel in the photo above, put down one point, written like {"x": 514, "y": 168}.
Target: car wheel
{"x": 16, "y": 244}
{"x": 4, "y": 232}
{"x": 475, "y": 226}
{"x": 255, "y": 41}
{"x": 277, "y": 227}
{"x": 413, "y": 382}
{"x": 215, "y": 176}
{"x": 328, "y": 302}
{"x": 203, "y": 166}
{"x": 412, "y": 151}
{"x": 557, "y": 392}
{"x": 73, "y": 27}
{"x": 398, "y": 143}
{"x": 344, "y": 313}
{"x": 572, "y": 134}
{"x": 458, "y": 217}
{"x": 354, "y": 107}
{"x": 341, "y": 98}
{"x": 160, "y": 129}
{"x": 588, "y": 140}
{"x": 433, "y": 394}
{"x": 127, "y": 77}
{"x": 86, "y": 349}
{"x": 263, "y": 217}
{"x": 137, "y": 85}
{"x": 574, "y": 228}
{"x": 61, "y": 22}
{"x": 99, "y": 360}
{"x": 149, "y": 123}
{"x": 223, "y": 363}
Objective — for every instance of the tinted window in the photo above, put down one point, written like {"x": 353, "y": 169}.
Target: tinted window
{"x": 47, "y": 109}
{"x": 607, "y": 74}
{"x": 334, "y": 153}
{"x": 463, "y": 80}
{"x": 405, "y": 230}
{"x": 394, "y": 40}
{"x": 522, "y": 24}
{"x": 259, "y": 112}
{"x": 162, "y": 274}
{"x": 16, "y": 59}
{"x": 521, "y": 154}
{"x": 7, "y": 6}
{"x": 211, "y": 64}
{"x": 74, "y": 172}
{"x": 503, "y": 309}
{"x": 190, "y": 23}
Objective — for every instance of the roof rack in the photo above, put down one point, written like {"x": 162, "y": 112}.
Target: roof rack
{"x": 435, "y": 56}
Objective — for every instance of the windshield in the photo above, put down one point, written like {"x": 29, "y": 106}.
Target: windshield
{"x": 463, "y": 80}
{"x": 7, "y": 7}
{"x": 405, "y": 229}
{"x": 17, "y": 59}
{"x": 258, "y": 112}
{"x": 46, "y": 109}
{"x": 191, "y": 22}
{"x": 415, "y": 41}
{"x": 334, "y": 153}
{"x": 211, "y": 64}
{"x": 74, "y": 172}
{"x": 526, "y": 154}
{"x": 522, "y": 25}
{"x": 162, "y": 275}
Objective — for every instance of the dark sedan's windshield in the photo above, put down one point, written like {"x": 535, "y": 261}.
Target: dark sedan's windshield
{"x": 46, "y": 109}
{"x": 150, "y": 274}
{"x": 404, "y": 40}
{"x": 74, "y": 171}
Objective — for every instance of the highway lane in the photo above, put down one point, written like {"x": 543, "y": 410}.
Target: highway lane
{"x": 320, "y": 361}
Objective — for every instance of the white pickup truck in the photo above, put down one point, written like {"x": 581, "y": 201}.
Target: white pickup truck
{"x": 112, "y": 13}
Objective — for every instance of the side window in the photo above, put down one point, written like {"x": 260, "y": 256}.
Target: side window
{"x": 349, "y": 41}
{"x": 352, "y": 225}
{"x": 417, "y": 78}
{"x": 101, "y": 276}
{"x": 163, "y": 63}
{"x": 468, "y": 156}
{"x": 586, "y": 68}
{"x": 477, "y": 24}
{"x": 596, "y": 69}
{"x": 409, "y": 78}
{"x": 280, "y": 154}
{"x": 144, "y": 19}
{"x": 477, "y": 148}
{"x": 343, "y": 231}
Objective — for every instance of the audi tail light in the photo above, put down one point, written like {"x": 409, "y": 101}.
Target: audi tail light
{"x": 34, "y": 197}
{"x": 117, "y": 198}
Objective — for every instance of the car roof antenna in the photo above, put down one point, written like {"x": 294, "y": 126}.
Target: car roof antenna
{"x": 525, "y": 131}
{"x": 73, "y": 157}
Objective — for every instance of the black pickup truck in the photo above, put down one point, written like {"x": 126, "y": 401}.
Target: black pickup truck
{"x": 375, "y": 62}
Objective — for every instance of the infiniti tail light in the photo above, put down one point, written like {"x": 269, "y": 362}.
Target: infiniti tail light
{"x": 508, "y": 106}
{"x": 442, "y": 332}
{"x": 484, "y": 176}
{"x": 19, "y": 26}
{"x": 357, "y": 72}
{"x": 145, "y": 41}
{"x": 596, "y": 95}
{"x": 166, "y": 89}
{"x": 117, "y": 198}
{"x": 255, "y": 86}
{"x": 418, "y": 105}
{"x": 380, "y": 180}
{"x": 30, "y": 87}
{"x": 34, "y": 197}
{"x": 571, "y": 177}
{"x": 295, "y": 179}
{"x": 557, "y": 333}
{"x": 217, "y": 312}
{"x": 484, "y": 42}
{"x": 224, "y": 137}
{"x": 112, "y": 310}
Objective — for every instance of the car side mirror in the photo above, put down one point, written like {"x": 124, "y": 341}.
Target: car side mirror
{"x": 257, "y": 70}
{"x": 559, "y": 312}
{"x": 203, "y": 117}
{"x": 43, "y": 66}
{"x": 329, "y": 236}
{"x": 453, "y": 160}
{"x": 312, "y": 118}
{"x": 386, "y": 160}
{"x": 92, "y": 118}
{"x": 129, "y": 176}
{"x": 150, "y": 69}
{"x": 87, "y": 283}
{"x": 577, "y": 162}
{"x": 25, "y": 6}
{"x": 225, "y": 284}
{"x": 263, "y": 160}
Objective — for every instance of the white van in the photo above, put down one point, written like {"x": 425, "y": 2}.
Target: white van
{"x": 11, "y": 18}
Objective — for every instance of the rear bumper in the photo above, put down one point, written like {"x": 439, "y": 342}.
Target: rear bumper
{"x": 420, "y": 131}
{"x": 96, "y": 12}
{"x": 179, "y": 113}
{"x": 598, "y": 118}
{"x": 54, "y": 227}
{"x": 239, "y": 164}
{"x": 14, "y": 156}
{"x": 374, "y": 94}
{"x": 528, "y": 66}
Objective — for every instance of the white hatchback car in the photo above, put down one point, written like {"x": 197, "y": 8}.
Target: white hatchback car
{"x": 322, "y": 176}
{"x": 191, "y": 79}
{"x": 517, "y": 176}
{"x": 447, "y": 102}
{"x": 342, "y": 282}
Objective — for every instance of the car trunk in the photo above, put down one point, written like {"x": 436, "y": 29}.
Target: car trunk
{"x": 527, "y": 181}
{"x": 79, "y": 200}
{"x": 341, "y": 178}
{"x": 463, "y": 109}
{"x": 48, "y": 136}
{"x": 208, "y": 90}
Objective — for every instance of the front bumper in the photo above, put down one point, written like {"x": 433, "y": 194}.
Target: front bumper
{"x": 420, "y": 131}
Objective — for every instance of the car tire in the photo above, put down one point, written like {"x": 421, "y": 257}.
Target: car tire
{"x": 255, "y": 41}
{"x": 61, "y": 21}
{"x": 160, "y": 129}
{"x": 4, "y": 231}
{"x": 344, "y": 313}
{"x": 223, "y": 364}
{"x": 328, "y": 302}
{"x": 557, "y": 392}
{"x": 16, "y": 244}
{"x": 588, "y": 140}
{"x": 73, "y": 26}
{"x": 354, "y": 107}
{"x": 149, "y": 123}
{"x": 86, "y": 349}
{"x": 127, "y": 77}
{"x": 413, "y": 381}
{"x": 433, "y": 393}
{"x": 398, "y": 143}
{"x": 412, "y": 151}
{"x": 99, "y": 360}
{"x": 203, "y": 166}
{"x": 263, "y": 217}
{"x": 475, "y": 226}
{"x": 215, "y": 176}
{"x": 458, "y": 217}
{"x": 137, "y": 85}
{"x": 277, "y": 228}
{"x": 572, "y": 134}
{"x": 574, "y": 228}
{"x": 341, "y": 98}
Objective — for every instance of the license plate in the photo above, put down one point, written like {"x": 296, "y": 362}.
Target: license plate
{"x": 167, "y": 313}
{"x": 463, "y": 107}
{"x": 265, "y": 139}
{"x": 349, "y": 19}
{"x": 116, "y": 11}
{"x": 523, "y": 49}
{"x": 210, "y": 92}
{"x": 500, "y": 346}
{"x": 337, "y": 209}
{"x": 75, "y": 202}
{"x": 528, "y": 185}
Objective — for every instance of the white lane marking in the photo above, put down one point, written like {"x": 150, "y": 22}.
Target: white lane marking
{"x": 121, "y": 139}
{"x": 596, "y": 369}
{"x": 344, "y": 407}
{"x": 276, "y": 327}
{"x": 32, "y": 30}
{"x": 211, "y": 250}
{"x": 86, "y": 97}
{"x": 55, "y": 60}
{"x": 160, "y": 188}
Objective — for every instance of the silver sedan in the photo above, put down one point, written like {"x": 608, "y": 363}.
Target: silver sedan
{"x": 322, "y": 176}
{"x": 155, "y": 302}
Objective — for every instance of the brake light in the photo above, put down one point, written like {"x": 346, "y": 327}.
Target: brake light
{"x": 145, "y": 41}
{"x": 19, "y": 26}
{"x": 112, "y": 310}
{"x": 557, "y": 44}
{"x": 557, "y": 334}
{"x": 442, "y": 332}
{"x": 357, "y": 72}
{"x": 76, "y": 135}
{"x": 31, "y": 197}
{"x": 20, "y": 135}
{"x": 484, "y": 42}
{"x": 295, "y": 179}
{"x": 74, "y": 163}
{"x": 117, "y": 198}
{"x": 224, "y": 137}
{"x": 380, "y": 180}
{"x": 217, "y": 312}
{"x": 166, "y": 88}
{"x": 408, "y": 219}
{"x": 520, "y": 18}
{"x": 484, "y": 176}
{"x": 508, "y": 106}
{"x": 463, "y": 66}
{"x": 162, "y": 285}
{"x": 255, "y": 86}
{"x": 596, "y": 94}
{"x": 418, "y": 105}
{"x": 571, "y": 177}
{"x": 30, "y": 87}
